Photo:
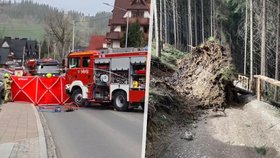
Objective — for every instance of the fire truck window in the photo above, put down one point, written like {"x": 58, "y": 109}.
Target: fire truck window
{"x": 74, "y": 63}
{"x": 86, "y": 61}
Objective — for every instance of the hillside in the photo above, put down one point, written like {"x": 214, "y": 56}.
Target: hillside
{"x": 27, "y": 19}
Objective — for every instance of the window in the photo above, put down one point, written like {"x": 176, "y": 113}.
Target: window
{"x": 74, "y": 62}
{"x": 146, "y": 29}
{"x": 86, "y": 61}
{"x": 123, "y": 29}
{"x": 137, "y": 13}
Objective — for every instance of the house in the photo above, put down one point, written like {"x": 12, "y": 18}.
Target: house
{"x": 32, "y": 49}
{"x": 128, "y": 11}
{"x": 4, "y": 54}
{"x": 1, "y": 42}
{"x": 97, "y": 42}
{"x": 21, "y": 49}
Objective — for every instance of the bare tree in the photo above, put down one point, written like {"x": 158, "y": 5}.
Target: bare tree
{"x": 161, "y": 22}
{"x": 157, "y": 31}
{"x": 174, "y": 23}
{"x": 211, "y": 18}
{"x": 202, "y": 20}
{"x": 165, "y": 22}
{"x": 245, "y": 40}
{"x": 190, "y": 22}
{"x": 195, "y": 22}
{"x": 277, "y": 51}
{"x": 251, "y": 40}
{"x": 263, "y": 39}
{"x": 59, "y": 28}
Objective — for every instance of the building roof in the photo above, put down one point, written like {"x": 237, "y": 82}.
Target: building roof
{"x": 1, "y": 42}
{"x": 96, "y": 42}
{"x": 17, "y": 47}
{"x": 4, "y": 52}
{"x": 118, "y": 14}
{"x": 138, "y": 5}
{"x": 8, "y": 40}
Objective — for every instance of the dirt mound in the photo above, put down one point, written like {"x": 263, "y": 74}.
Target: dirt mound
{"x": 207, "y": 75}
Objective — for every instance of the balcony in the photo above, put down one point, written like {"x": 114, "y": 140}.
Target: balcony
{"x": 115, "y": 35}
{"x": 140, "y": 20}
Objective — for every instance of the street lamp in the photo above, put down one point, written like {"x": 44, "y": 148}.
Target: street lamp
{"x": 127, "y": 18}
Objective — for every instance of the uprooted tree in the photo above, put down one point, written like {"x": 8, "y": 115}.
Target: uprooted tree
{"x": 207, "y": 76}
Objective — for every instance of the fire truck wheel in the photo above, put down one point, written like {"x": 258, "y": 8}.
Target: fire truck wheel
{"x": 119, "y": 101}
{"x": 77, "y": 97}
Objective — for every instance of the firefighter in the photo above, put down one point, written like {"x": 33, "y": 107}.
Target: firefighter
{"x": 7, "y": 87}
{"x": 1, "y": 83}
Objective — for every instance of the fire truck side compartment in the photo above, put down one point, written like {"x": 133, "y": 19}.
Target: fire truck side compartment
{"x": 120, "y": 64}
{"x": 138, "y": 60}
{"x": 124, "y": 87}
{"x": 101, "y": 61}
{"x": 136, "y": 96}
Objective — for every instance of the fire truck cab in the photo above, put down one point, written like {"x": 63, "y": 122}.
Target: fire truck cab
{"x": 117, "y": 78}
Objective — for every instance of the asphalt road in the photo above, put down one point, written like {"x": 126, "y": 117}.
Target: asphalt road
{"x": 96, "y": 133}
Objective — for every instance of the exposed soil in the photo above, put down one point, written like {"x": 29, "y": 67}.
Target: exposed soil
{"x": 207, "y": 75}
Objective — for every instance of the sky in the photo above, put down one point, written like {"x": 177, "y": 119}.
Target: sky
{"x": 85, "y": 6}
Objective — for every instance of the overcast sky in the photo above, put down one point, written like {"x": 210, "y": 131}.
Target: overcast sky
{"x": 85, "y": 6}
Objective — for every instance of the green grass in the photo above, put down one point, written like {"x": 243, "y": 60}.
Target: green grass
{"x": 22, "y": 30}
{"x": 170, "y": 55}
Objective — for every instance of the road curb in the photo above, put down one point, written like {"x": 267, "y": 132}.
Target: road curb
{"x": 51, "y": 146}
{"x": 42, "y": 139}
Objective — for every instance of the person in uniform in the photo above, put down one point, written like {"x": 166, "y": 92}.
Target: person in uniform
{"x": 7, "y": 88}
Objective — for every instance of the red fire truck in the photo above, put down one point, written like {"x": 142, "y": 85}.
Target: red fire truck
{"x": 117, "y": 78}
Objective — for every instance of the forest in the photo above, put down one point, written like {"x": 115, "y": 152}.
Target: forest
{"x": 28, "y": 19}
{"x": 248, "y": 28}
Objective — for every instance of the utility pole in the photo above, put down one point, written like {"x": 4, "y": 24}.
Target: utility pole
{"x": 54, "y": 52}
{"x": 73, "y": 36}
{"x": 49, "y": 41}
{"x": 39, "y": 44}
{"x": 126, "y": 37}
{"x": 23, "y": 53}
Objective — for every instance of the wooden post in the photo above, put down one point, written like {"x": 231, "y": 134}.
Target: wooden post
{"x": 259, "y": 89}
